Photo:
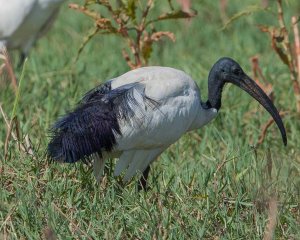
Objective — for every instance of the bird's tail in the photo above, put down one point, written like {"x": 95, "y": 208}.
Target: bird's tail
{"x": 89, "y": 129}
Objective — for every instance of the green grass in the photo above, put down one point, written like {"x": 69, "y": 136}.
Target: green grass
{"x": 210, "y": 184}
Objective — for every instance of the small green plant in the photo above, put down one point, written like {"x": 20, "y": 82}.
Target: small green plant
{"x": 133, "y": 22}
{"x": 13, "y": 133}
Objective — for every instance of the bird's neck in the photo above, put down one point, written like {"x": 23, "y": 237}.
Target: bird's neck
{"x": 215, "y": 88}
{"x": 206, "y": 105}
{"x": 214, "y": 98}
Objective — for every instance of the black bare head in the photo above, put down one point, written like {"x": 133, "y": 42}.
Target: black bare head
{"x": 226, "y": 70}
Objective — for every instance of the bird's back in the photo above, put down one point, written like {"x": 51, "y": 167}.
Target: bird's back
{"x": 160, "y": 82}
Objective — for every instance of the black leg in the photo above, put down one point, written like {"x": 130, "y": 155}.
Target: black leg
{"x": 22, "y": 59}
{"x": 142, "y": 184}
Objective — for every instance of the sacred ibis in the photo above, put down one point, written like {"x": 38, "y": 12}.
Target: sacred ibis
{"x": 23, "y": 21}
{"x": 138, "y": 115}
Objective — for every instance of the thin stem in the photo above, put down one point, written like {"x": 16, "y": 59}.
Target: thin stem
{"x": 287, "y": 47}
{"x": 297, "y": 45}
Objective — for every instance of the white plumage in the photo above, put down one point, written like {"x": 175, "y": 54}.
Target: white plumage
{"x": 138, "y": 115}
{"x": 23, "y": 21}
{"x": 179, "y": 111}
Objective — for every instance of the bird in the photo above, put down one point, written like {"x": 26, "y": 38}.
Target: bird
{"x": 138, "y": 115}
{"x": 23, "y": 22}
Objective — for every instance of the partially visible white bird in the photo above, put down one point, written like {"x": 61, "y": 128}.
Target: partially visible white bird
{"x": 22, "y": 22}
{"x": 138, "y": 115}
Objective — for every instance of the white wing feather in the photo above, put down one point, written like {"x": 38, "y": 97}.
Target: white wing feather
{"x": 140, "y": 161}
{"x": 123, "y": 162}
{"x": 98, "y": 166}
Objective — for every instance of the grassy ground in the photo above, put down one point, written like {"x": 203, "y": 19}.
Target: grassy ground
{"x": 210, "y": 184}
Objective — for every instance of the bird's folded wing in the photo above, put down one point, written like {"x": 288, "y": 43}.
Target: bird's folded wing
{"x": 94, "y": 125}
{"x": 129, "y": 102}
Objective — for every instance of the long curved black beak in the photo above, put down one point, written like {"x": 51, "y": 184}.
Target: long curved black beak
{"x": 248, "y": 85}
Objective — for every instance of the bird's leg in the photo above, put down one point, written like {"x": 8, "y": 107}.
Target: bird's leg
{"x": 21, "y": 60}
{"x": 142, "y": 184}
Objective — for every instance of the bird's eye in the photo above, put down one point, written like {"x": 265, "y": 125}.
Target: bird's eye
{"x": 222, "y": 70}
{"x": 236, "y": 71}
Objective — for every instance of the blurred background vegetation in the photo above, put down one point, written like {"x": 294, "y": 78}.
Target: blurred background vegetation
{"x": 213, "y": 183}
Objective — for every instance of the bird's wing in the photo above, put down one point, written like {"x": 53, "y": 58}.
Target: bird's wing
{"x": 98, "y": 166}
{"x": 160, "y": 82}
{"x": 178, "y": 97}
{"x": 128, "y": 101}
{"x": 12, "y": 14}
{"x": 96, "y": 93}
{"x": 93, "y": 126}
{"x": 154, "y": 106}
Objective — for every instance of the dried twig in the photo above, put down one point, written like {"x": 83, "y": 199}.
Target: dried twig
{"x": 281, "y": 44}
{"x": 185, "y": 5}
{"x": 6, "y": 119}
{"x": 8, "y": 217}
{"x": 8, "y": 65}
{"x": 28, "y": 145}
{"x": 84, "y": 10}
{"x": 28, "y": 149}
{"x": 266, "y": 126}
{"x": 257, "y": 75}
{"x": 287, "y": 47}
{"x": 127, "y": 59}
{"x": 273, "y": 212}
{"x": 223, "y": 10}
{"x": 269, "y": 165}
{"x": 13, "y": 124}
{"x": 297, "y": 46}
{"x": 7, "y": 138}
{"x": 125, "y": 19}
